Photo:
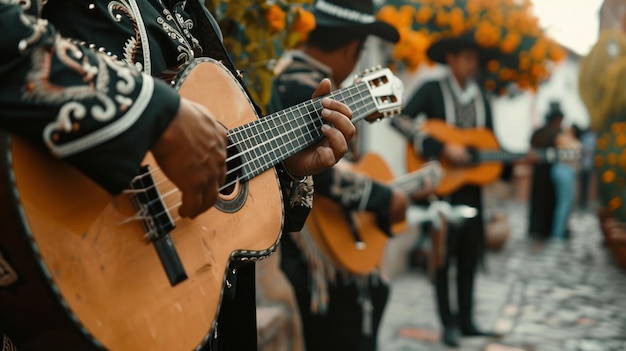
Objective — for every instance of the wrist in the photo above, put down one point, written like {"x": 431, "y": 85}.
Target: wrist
{"x": 286, "y": 174}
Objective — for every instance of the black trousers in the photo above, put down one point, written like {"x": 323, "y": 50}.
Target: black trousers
{"x": 465, "y": 248}
{"x": 236, "y": 322}
{"x": 341, "y": 327}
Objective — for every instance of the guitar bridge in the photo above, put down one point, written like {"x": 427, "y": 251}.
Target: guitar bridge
{"x": 157, "y": 223}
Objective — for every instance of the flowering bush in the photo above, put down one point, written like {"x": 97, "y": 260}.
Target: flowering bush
{"x": 257, "y": 32}
{"x": 506, "y": 25}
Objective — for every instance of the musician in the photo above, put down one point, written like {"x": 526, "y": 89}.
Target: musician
{"x": 542, "y": 190}
{"x": 338, "y": 310}
{"x": 93, "y": 101}
{"x": 460, "y": 101}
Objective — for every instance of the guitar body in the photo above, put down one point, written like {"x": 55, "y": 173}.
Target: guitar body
{"x": 82, "y": 266}
{"x": 333, "y": 233}
{"x": 476, "y": 138}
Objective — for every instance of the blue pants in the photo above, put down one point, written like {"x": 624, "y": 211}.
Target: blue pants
{"x": 564, "y": 179}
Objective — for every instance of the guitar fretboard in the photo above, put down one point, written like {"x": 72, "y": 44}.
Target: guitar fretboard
{"x": 545, "y": 155}
{"x": 415, "y": 181}
{"x": 265, "y": 142}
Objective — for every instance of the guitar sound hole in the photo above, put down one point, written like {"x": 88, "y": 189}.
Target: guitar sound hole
{"x": 235, "y": 191}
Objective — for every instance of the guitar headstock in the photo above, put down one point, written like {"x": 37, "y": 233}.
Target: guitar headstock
{"x": 433, "y": 171}
{"x": 386, "y": 90}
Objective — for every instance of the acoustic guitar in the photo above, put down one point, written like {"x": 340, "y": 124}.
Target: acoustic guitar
{"x": 352, "y": 239}
{"x": 123, "y": 273}
{"x": 486, "y": 158}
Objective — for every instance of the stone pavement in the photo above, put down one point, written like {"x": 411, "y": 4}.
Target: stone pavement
{"x": 542, "y": 297}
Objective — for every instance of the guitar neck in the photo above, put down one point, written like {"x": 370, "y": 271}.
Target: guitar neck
{"x": 415, "y": 181}
{"x": 265, "y": 142}
{"x": 410, "y": 185}
{"x": 548, "y": 155}
{"x": 499, "y": 156}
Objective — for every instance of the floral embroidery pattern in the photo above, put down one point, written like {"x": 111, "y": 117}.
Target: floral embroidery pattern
{"x": 302, "y": 194}
{"x": 350, "y": 189}
{"x": 107, "y": 93}
{"x": 185, "y": 49}
{"x": 122, "y": 8}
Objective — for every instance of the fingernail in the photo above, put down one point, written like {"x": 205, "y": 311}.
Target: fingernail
{"x": 325, "y": 127}
{"x": 325, "y": 112}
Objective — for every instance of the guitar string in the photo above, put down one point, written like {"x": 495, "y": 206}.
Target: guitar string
{"x": 282, "y": 123}
{"x": 420, "y": 177}
{"x": 277, "y": 138}
{"x": 359, "y": 111}
{"x": 306, "y": 125}
{"x": 264, "y": 160}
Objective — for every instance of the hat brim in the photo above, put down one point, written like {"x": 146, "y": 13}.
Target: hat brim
{"x": 437, "y": 51}
{"x": 380, "y": 29}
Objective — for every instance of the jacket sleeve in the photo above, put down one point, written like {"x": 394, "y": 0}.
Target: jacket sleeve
{"x": 354, "y": 192}
{"x": 421, "y": 102}
{"x": 85, "y": 107}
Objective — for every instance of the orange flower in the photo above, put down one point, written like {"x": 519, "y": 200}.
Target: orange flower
{"x": 598, "y": 161}
{"x": 615, "y": 203}
{"x": 442, "y": 19}
{"x": 405, "y": 16}
{"x": 304, "y": 23}
{"x": 387, "y": 14}
{"x": 608, "y": 177}
{"x": 473, "y": 7}
{"x": 538, "y": 51}
{"x": 507, "y": 75}
{"x": 487, "y": 35}
{"x": 493, "y": 66}
{"x": 537, "y": 71}
{"x": 424, "y": 14}
{"x": 276, "y": 18}
{"x": 557, "y": 53}
{"x": 490, "y": 85}
{"x": 457, "y": 21}
{"x": 510, "y": 43}
{"x": 524, "y": 63}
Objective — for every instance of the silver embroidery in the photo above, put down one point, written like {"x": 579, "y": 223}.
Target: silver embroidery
{"x": 171, "y": 24}
{"x": 130, "y": 10}
{"x": 185, "y": 50}
{"x": 351, "y": 188}
{"x": 96, "y": 78}
{"x": 38, "y": 26}
{"x": 302, "y": 194}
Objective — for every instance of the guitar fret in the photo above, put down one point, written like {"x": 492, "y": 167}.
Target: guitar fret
{"x": 284, "y": 133}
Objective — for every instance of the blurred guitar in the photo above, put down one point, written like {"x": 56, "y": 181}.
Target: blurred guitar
{"x": 486, "y": 158}
{"x": 354, "y": 241}
{"x": 123, "y": 273}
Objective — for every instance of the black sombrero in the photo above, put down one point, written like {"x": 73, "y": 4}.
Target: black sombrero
{"x": 438, "y": 50}
{"x": 353, "y": 14}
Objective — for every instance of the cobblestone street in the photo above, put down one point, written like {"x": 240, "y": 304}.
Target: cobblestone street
{"x": 556, "y": 297}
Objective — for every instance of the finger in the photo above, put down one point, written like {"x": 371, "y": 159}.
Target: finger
{"x": 336, "y": 141}
{"x": 191, "y": 204}
{"x": 337, "y": 106}
{"x": 209, "y": 198}
{"x": 323, "y": 88}
{"x": 341, "y": 123}
{"x": 325, "y": 157}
